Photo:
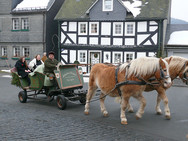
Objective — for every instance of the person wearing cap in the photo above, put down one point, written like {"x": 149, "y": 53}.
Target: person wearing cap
{"x": 50, "y": 63}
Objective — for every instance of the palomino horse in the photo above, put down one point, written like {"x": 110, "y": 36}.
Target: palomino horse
{"x": 139, "y": 70}
{"x": 178, "y": 66}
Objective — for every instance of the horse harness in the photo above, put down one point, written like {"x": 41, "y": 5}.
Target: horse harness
{"x": 142, "y": 82}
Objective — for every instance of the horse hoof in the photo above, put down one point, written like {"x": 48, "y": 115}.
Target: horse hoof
{"x": 105, "y": 114}
{"x": 159, "y": 113}
{"x": 137, "y": 117}
{"x": 86, "y": 112}
{"x": 131, "y": 111}
{"x": 168, "y": 117}
{"x": 124, "y": 122}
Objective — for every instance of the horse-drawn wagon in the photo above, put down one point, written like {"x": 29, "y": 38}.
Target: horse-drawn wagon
{"x": 65, "y": 84}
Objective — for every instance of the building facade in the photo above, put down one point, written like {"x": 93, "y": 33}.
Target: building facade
{"x": 111, "y": 31}
{"x": 26, "y": 31}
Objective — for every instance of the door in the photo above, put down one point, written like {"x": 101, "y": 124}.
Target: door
{"x": 94, "y": 58}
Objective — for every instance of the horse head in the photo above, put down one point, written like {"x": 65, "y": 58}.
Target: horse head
{"x": 184, "y": 73}
{"x": 162, "y": 74}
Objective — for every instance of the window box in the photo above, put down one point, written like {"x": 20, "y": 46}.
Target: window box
{"x": 15, "y": 58}
{"x": 15, "y": 30}
{"x": 24, "y": 29}
{"x": 3, "y": 58}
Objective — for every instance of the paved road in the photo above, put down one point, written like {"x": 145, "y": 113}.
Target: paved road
{"x": 38, "y": 120}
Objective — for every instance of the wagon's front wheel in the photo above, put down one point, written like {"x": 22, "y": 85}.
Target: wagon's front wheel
{"x": 61, "y": 102}
{"x": 22, "y": 96}
{"x": 83, "y": 99}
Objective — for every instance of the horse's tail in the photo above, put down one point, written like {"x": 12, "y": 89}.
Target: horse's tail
{"x": 118, "y": 100}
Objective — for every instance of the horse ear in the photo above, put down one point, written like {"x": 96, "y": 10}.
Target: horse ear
{"x": 168, "y": 60}
{"x": 161, "y": 62}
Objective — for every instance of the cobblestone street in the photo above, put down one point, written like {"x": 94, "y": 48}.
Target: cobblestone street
{"x": 42, "y": 120}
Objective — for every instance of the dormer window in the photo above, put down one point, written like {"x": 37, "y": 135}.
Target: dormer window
{"x": 107, "y": 5}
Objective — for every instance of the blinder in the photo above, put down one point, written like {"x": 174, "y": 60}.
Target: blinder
{"x": 184, "y": 74}
{"x": 162, "y": 75}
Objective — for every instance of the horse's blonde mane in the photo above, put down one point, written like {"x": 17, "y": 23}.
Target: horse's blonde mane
{"x": 141, "y": 66}
{"x": 176, "y": 62}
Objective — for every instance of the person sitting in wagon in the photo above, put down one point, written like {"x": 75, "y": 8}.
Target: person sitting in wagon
{"x": 35, "y": 62}
{"x": 22, "y": 69}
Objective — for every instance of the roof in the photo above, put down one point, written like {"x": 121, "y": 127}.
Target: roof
{"x": 33, "y": 6}
{"x": 149, "y": 9}
{"x": 176, "y": 35}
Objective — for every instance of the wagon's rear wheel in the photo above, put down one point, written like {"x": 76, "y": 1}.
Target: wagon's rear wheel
{"x": 22, "y": 96}
{"x": 61, "y": 102}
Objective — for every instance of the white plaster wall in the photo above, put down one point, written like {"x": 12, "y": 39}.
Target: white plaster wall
{"x": 62, "y": 37}
{"x": 141, "y": 38}
{"x": 151, "y": 54}
{"x": 72, "y": 36}
{"x": 117, "y": 41}
{"x": 142, "y": 26}
{"x": 154, "y": 38}
{"x": 153, "y": 28}
{"x": 105, "y": 41}
{"x": 129, "y": 41}
{"x": 106, "y": 28}
{"x": 72, "y": 56}
{"x": 82, "y": 40}
{"x": 141, "y": 54}
{"x": 93, "y": 40}
{"x": 72, "y": 26}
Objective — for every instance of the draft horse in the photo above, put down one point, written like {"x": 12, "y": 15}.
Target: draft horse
{"x": 178, "y": 66}
{"x": 139, "y": 70}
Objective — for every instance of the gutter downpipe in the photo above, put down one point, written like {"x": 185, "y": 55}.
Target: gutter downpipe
{"x": 59, "y": 42}
{"x": 159, "y": 52}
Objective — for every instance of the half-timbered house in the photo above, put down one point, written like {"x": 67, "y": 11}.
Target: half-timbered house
{"x": 111, "y": 31}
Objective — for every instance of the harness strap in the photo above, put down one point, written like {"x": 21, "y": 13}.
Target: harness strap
{"x": 127, "y": 82}
{"x": 116, "y": 77}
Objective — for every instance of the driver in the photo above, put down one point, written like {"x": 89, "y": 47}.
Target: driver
{"x": 50, "y": 63}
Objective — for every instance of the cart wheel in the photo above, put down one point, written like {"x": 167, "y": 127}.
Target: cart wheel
{"x": 22, "y": 96}
{"x": 83, "y": 99}
{"x": 61, "y": 102}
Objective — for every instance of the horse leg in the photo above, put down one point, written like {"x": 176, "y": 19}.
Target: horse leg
{"x": 130, "y": 108}
{"x": 163, "y": 96}
{"x": 124, "y": 103}
{"x": 142, "y": 101}
{"x": 103, "y": 108}
{"x": 90, "y": 94}
{"x": 157, "y": 108}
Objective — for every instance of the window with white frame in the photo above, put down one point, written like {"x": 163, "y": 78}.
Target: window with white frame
{"x": 117, "y": 58}
{"x": 83, "y": 28}
{"x": 82, "y": 57}
{"x": 15, "y": 24}
{"x": 118, "y": 30}
{"x": 129, "y": 57}
{"x": 107, "y": 5}
{"x": 16, "y": 51}
{"x": 94, "y": 28}
{"x": 26, "y": 51}
{"x": 25, "y": 23}
{"x": 129, "y": 28}
{"x": 4, "y": 51}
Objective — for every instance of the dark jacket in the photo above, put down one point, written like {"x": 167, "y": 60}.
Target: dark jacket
{"x": 50, "y": 66}
{"x": 21, "y": 67}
